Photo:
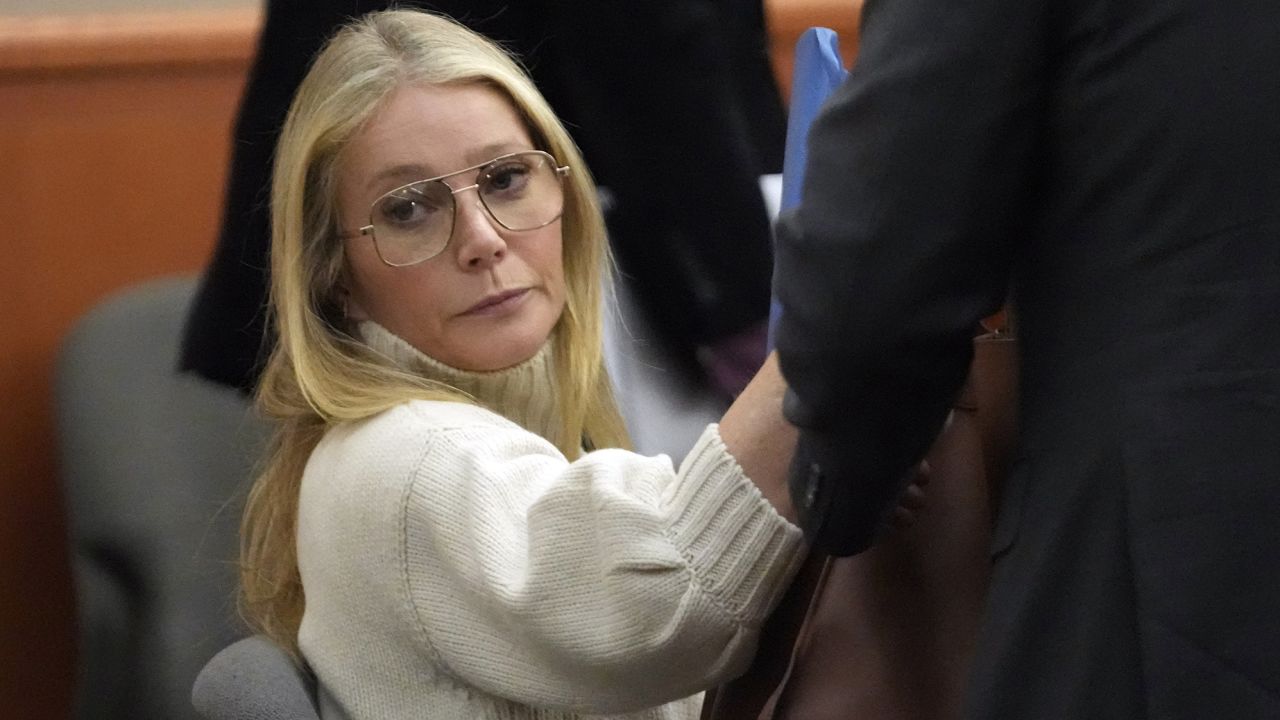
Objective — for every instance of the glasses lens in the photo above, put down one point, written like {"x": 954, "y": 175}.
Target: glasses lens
{"x": 522, "y": 192}
{"x": 413, "y": 223}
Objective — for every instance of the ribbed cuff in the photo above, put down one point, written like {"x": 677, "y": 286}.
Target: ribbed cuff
{"x": 741, "y": 551}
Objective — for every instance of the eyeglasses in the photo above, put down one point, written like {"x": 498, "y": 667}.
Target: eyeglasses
{"x": 414, "y": 222}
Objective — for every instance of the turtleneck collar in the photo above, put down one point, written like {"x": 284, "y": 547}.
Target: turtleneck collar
{"x": 523, "y": 393}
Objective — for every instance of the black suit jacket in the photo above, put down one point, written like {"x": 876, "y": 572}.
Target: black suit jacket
{"x": 672, "y": 102}
{"x": 1117, "y": 163}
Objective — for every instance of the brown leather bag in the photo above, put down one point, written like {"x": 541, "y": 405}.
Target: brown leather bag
{"x": 889, "y": 634}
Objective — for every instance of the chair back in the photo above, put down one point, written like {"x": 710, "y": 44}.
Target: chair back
{"x": 254, "y": 679}
{"x": 153, "y": 466}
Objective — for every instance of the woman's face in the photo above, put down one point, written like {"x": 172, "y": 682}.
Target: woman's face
{"x": 491, "y": 298}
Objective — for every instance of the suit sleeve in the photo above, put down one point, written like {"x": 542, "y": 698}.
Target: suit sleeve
{"x": 921, "y": 175}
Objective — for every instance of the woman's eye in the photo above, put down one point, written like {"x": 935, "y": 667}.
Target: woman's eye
{"x": 507, "y": 179}
{"x": 401, "y": 212}
{"x": 406, "y": 211}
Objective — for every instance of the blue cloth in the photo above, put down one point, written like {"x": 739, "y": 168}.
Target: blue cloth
{"x": 818, "y": 72}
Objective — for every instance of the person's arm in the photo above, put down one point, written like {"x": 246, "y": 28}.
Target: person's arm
{"x": 921, "y": 174}
{"x": 758, "y": 436}
{"x": 608, "y": 584}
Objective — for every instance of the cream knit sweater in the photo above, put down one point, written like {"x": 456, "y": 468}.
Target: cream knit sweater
{"x": 457, "y": 566}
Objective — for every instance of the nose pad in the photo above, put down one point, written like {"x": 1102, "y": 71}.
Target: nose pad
{"x": 476, "y": 233}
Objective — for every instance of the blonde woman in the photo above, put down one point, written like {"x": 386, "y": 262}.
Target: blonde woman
{"x": 449, "y": 524}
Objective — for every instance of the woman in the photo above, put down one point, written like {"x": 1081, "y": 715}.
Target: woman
{"x": 446, "y": 487}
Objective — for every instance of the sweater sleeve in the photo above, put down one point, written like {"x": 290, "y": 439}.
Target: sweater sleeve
{"x": 607, "y": 584}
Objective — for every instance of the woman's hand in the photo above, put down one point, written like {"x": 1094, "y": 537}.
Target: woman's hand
{"x": 912, "y": 500}
{"x": 762, "y": 441}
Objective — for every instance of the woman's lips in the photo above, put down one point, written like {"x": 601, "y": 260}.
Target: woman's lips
{"x": 498, "y": 303}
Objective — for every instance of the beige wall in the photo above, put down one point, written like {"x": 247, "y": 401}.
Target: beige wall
{"x": 64, "y": 7}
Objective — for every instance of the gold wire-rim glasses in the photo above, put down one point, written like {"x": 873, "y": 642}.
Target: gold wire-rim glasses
{"x": 558, "y": 172}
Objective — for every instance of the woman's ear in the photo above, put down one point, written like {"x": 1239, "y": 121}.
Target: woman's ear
{"x": 352, "y": 309}
{"x": 348, "y": 306}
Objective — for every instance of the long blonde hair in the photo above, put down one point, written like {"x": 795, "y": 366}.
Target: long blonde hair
{"x": 318, "y": 375}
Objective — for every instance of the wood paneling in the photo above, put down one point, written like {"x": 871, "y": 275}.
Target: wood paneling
{"x": 114, "y": 138}
{"x": 788, "y": 19}
{"x": 111, "y": 42}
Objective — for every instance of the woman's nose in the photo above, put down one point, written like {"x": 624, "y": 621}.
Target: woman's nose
{"x": 479, "y": 243}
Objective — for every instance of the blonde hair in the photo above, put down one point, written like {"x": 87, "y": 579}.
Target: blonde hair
{"x": 318, "y": 375}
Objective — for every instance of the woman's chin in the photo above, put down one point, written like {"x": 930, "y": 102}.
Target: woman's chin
{"x": 491, "y": 343}
{"x": 496, "y": 353}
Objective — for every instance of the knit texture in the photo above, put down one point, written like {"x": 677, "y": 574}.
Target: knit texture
{"x": 457, "y": 566}
{"x": 519, "y": 393}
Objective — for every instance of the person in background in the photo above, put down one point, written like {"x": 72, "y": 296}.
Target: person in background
{"x": 1118, "y": 166}
{"x": 645, "y": 88}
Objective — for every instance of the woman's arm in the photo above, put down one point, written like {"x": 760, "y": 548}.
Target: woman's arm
{"x": 760, "y": 438}
{"x": 609, "y": 584}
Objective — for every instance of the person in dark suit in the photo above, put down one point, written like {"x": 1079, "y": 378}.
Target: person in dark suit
{"x": 673, "y": 104}
{"x": 1116, "y": 167}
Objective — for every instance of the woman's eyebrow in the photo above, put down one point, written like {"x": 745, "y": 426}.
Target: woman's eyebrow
{"x": 488, "y": 152}
{"x": 407, "y": 172}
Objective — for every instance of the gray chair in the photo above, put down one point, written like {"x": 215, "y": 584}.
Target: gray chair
{"x": 154, "y": 465}
{"x": 254, "y": 679}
